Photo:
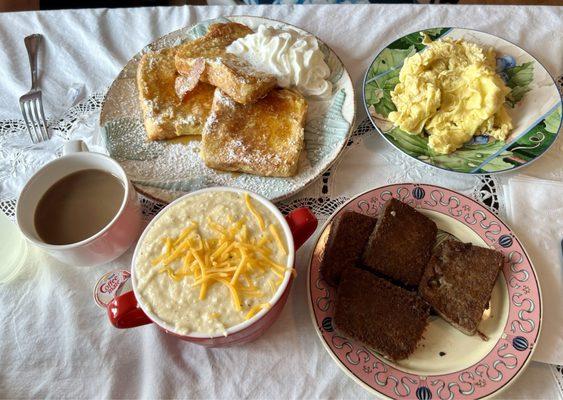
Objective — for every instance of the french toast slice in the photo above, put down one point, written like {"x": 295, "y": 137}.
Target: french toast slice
{"x": 233, "y": 75}
{"x": 214, "y": 42}
{"x": 263, "y": 138}
{"x": 165, "y": 116}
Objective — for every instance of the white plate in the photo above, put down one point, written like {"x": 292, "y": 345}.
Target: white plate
{"x": 165, "y": 170}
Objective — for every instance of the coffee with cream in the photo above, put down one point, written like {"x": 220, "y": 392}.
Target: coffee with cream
{"x": 78, "y": 206}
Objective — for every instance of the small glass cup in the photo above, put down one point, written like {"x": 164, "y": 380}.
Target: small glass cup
{"x": 13, "y": 249}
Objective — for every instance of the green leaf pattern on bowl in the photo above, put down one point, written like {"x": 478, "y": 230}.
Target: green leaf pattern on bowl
{"x": 519, "y": 80}
{"x": 537, "y": 140}
{"x": 469, "y": 157}
{"x": 553, "y": 121}
{"x": 415, "y": 39}
{"x": 383, "y": 76}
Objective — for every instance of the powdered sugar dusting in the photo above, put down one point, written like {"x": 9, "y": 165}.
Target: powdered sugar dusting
{"x": 181, "y": 162}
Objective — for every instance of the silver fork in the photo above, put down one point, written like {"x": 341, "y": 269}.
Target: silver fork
{"x": 31, "y": 103}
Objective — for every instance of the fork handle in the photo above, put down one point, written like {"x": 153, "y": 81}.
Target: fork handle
{"x": 32, "y": 45}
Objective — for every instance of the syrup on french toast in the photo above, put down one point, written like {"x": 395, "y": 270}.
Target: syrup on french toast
{"x": 263, "y": 138}
{"x": 233, "y": 75}
{"x": 165, "y": 115}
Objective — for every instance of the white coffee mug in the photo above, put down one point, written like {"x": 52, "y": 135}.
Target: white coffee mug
{"x": 106, "y": 245}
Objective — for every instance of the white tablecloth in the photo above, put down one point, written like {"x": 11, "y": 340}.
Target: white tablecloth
{"x": 55, "y": 342}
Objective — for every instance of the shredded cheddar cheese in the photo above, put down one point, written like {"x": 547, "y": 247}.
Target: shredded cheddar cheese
{"x": 184, "y": 234}
{"x": 253, "y": 211}
{"x": 276, "y": 235}
{"x": 255, "y": 309}
{"x": 231, "y": 256}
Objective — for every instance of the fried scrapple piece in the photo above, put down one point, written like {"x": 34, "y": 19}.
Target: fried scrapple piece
{"x": 458, "y": 282}
{"x": 386, "y": 317}
{"x": 264, "y": 138}
{"x": 346, "y": 241}
{"x": 401, "y": 243}
{"x": 165, "y": 116}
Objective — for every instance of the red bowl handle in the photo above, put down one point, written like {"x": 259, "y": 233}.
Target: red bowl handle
{"x": 302, "y": 223}
{"x": 124, "y": 312}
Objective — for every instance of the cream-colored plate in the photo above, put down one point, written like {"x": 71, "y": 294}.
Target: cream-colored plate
{"x": 447, "y": 364}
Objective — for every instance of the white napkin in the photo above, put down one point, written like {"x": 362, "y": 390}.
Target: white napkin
{"x": 534, "y": 208}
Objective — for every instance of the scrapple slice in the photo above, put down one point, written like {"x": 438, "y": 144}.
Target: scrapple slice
{"x": 401, "y": 244}
{"x": 383, "y": 316}
{"x": 458, "y": 282}
{"x": 346, "y": 241}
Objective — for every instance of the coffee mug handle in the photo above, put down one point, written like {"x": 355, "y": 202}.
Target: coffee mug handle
{"x": 124, "y": 312}
{"x": 302, "y": 223}
{"x": 74, "y": 146}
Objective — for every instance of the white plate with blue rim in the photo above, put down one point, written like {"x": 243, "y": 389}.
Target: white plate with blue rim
{"x": 165, "y": 170}
{"x": 534, "y": 104}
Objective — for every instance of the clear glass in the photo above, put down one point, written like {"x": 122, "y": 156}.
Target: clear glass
{"x": 13, "y": 249}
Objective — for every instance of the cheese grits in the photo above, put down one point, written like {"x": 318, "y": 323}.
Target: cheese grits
{"x": 212, "y": 261}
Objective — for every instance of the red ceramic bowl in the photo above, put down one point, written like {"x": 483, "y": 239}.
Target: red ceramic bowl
{"x": 126, "y": 311}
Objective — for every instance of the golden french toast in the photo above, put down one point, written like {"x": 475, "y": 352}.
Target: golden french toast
{"x": 233, "y": 75}
{"x": 262, "y": 138}
{"x": 214, "y": 42}
{"x": 165, "y": 115}
{"x": 205, "y": 59}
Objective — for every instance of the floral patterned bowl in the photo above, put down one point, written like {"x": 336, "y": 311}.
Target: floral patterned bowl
{"x": 534, "y": 104}
{"x": 447, "y": 364}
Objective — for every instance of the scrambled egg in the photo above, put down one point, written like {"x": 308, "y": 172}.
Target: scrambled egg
{"x": 452, "y": 92}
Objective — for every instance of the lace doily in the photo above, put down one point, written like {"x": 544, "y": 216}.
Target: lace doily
{"x": 324, "y": 205}
{"x": 81, "y": 119}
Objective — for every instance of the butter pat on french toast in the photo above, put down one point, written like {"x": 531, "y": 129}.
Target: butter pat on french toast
{"x": 263, "y": 138}
{"x": 165, "y": 116}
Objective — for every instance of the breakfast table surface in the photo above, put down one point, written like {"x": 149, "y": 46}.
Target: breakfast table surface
{"x": 56, "y": 342}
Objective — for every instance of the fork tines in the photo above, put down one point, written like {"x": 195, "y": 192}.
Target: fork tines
{"x": 31, "y": 105}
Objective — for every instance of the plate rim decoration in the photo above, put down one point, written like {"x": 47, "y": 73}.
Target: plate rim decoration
{"x": 479, "y": 170}
{"x": 349, "y": 104}
{"x": 512, "y": 351}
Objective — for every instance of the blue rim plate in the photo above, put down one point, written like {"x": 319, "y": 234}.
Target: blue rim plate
{"x": 534, "y": 105}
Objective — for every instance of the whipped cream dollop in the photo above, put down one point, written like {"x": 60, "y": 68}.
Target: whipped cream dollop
{"x": 293, "y": 58}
